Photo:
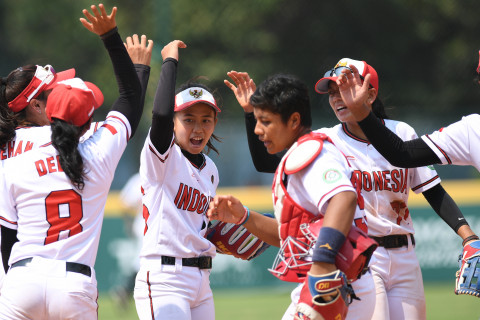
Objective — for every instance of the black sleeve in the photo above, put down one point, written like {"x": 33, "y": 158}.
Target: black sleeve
{"x": 445, "y": 207}
{"x": 9, "y": 237}
{"x": 405, "y": 154}
{"x": 262, "y": 160}
{"x": 129, "y": 87}
{"x": 161, "y": 132}
{"x": 143, "y": 74}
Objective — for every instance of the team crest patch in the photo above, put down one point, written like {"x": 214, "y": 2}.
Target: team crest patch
{"x": 196, "y": 93}
{"x": 331, "y": 176}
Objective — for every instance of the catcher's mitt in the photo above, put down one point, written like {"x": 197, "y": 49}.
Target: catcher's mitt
{"x": 235, "y": 240}
{"x": 325, "y": 297}
{"x": 468, "y": 276}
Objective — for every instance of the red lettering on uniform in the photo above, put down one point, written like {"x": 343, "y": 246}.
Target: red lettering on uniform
{"x": 10, "y": 146}
{"x": 3, "y": 154}
{"x": 51, "y": 165}
{"x": 404, "y": 181}
{"x": 19, "y": 149}
{"x": 356, "y": 179}
{"x": 179, "y": 193}
{"x": 194, "y": 200}
{"x": 185, "y": 198}
{"x": 367, "y": 181}
{"x": 395, "y": 174}
{"x": 71, "y": 223}
{"x": 29, "y": 146}
{"x": 41, "y": 168}
{"x": 202, "y": 204}
{"x": 386, "y": 180}
{"x": 378, "y": 180}
{"x": 110, "y": 128}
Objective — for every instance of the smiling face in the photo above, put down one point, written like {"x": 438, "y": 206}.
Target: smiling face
{"x": 339, "y": 108}
{"x": 194, "y": 126}
{"x": 275, "y": 134}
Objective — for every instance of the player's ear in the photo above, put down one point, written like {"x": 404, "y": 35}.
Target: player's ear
{"x": 372, "y": 95}
{"x": 294, "y": 120}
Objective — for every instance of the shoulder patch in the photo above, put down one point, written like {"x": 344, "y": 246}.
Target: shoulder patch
{"x": 331, "y": 175}
{"x": 303, "y": 154}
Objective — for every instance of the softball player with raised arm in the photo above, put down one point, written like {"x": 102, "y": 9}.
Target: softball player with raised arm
{"x": 385, "y": 189}
{"x": 454, "y": 144}
{"x": 178, "y": 181}
{"x": 54, "y": 196}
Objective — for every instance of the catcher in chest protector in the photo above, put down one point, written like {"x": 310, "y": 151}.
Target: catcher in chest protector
{"x": 317, "y": 210}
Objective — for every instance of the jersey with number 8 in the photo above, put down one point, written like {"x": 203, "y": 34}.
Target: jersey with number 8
{"x": 64, "y": 223}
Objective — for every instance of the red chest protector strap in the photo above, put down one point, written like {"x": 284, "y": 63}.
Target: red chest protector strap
{"x": 290, "y": 214}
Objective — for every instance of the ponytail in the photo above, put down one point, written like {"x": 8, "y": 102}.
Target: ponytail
{"x": 7, "y": 119}
{"x": 65, "y": 139}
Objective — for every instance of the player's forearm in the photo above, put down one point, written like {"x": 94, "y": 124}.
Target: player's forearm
{"x": 445, "y": 207}
{"x": 130, "y": 90}
{"x": 163, "y": 106}
{"x": 264, "y": 227}
{"x": 143, "y": 73}
{"x": 405, "y": 154}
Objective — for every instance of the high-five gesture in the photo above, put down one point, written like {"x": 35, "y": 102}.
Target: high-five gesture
{"x": 355, "y": 92}
{"x": 171, "y": 49}
{"x": 243, "y": 90}
{"x": 138, "y": 50}
{"x": 100, "y": 23}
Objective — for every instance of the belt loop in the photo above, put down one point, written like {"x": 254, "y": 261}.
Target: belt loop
{"x": 178, "y": 264}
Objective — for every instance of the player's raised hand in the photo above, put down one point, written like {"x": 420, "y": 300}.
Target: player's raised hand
{"x": 100, "y": 22}
{"x": 226, "y": 208}
{"x": 138, "y": 50}
{"x": 171, "y": 49}
{"x": 243, "y": 88}
{"x": 355, "y": 92}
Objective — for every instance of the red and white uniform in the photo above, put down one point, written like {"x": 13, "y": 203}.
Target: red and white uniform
{"x": 458, "y": 143}
{"x": 176, "y": 197}
{"x": 56, "y": 223}
{"x": 385, "y": 189}
{"x": 312, "y": 188}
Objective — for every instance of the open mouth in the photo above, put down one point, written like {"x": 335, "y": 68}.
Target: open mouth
{"x": 196, "y": 141}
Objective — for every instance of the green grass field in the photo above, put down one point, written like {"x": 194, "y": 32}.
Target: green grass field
{"x": 269, "y": 303}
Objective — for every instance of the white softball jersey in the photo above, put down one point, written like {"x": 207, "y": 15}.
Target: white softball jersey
{"x": 458, "y": 143}
{"x": 26, "y": 139}
{"x": 385, "y": 188}
{"x": 176, "y": 197}
{"x": 52, "y": 218}
{"x": 312, "y": 188}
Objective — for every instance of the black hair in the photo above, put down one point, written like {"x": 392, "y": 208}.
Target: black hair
{"x": 378, "y": 108}
{"x": 284, "y": 94}
{"x": 194, "y": 83}
{"x": 65, "y": 138}
{"x": 11, "y": 87}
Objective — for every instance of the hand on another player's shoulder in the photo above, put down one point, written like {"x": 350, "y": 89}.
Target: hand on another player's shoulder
{"x": 171, "y": 49}
{"x": 100, "y": 22}
{"x": 138, "y": 50}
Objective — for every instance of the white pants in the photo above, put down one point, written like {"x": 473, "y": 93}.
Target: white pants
{"x": 174, "y": 292}
{"x": 358, "y": 310}
{"x": 45, "y": 290}
{"x": 398, "y": 283}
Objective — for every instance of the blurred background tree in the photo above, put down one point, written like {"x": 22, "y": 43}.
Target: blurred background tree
{"x": 425, "y": 51}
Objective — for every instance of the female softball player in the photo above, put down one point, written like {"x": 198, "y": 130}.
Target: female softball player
{"x": 385, "y": 189}
{"x": 178, "y": 181}
{"x": 54, "y": 196}
{"x": 312, "y": 179}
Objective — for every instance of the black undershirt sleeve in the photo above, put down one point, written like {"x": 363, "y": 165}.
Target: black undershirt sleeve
{"x": 161, "y": 132}
{"x": 405, "y": 154}
{"x": 262, "y": 160}
{"x": 130, "y": 91}
{"x": 445, "y": 207}
{"x": 8, "y": 238}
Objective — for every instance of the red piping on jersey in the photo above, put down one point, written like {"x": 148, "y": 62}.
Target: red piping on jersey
{"x": 204, "y": 163}
{"x": 425, "y": 183}
{"x": 351, "y": 135}
{"x": 440, "y": 149}
{"x": 14, "y": 223}
{"x": 341, "y": 186}
{"x": 157, "y": 155}
{"x": 46, "y": 144}
{"x": 119, "y": 119}
{"x": 150, "y": 295}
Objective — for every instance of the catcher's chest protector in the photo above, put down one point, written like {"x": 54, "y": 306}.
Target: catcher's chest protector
{"x": 289, "y": 213}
